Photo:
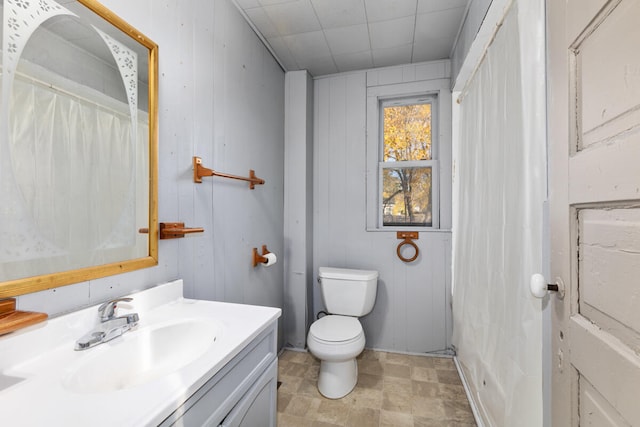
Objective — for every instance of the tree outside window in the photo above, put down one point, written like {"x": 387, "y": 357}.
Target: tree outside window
{"x": 407, "y": 166}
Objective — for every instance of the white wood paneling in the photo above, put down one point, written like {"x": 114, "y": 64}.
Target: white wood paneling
{"x": 221, "y": 97}
{"x": 411, "y": 313}
{"x": 298, "y": 205}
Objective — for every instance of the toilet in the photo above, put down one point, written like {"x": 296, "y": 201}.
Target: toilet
{"x": 337, "y": 338}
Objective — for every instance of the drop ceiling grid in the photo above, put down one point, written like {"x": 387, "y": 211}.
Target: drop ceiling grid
{"x": 329, "y": 36}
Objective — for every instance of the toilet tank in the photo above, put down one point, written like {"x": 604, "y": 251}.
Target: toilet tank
{"x": 348, "y": 292}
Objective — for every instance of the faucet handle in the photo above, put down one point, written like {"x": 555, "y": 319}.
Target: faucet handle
{"x": 108, "y": 309}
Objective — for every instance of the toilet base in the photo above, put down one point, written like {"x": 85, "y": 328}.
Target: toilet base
{"x": 337, "y": 379}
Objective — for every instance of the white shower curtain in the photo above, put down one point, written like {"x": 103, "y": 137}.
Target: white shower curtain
{"x": 80, "y": 176}
{"x": 501, "y": 189}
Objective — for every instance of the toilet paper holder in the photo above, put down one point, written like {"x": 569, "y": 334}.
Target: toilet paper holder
{"x": 260, "y": 259}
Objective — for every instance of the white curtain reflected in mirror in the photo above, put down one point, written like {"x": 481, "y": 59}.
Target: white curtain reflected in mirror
{"x": 74, "y": 146}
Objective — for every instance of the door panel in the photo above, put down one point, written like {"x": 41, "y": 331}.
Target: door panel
{"x": 608, "y": 364}
{"x": 607, "y": 72}
{"x": 608, "y": 270}
{"x": 594, "y": 128}
{"x": 595, "y": 410}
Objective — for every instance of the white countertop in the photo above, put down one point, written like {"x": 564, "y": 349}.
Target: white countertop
{"x": 35, "y": 362}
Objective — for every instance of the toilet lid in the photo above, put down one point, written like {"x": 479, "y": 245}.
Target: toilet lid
{"x": 336, "y": 328}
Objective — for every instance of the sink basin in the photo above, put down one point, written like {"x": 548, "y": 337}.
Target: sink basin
{"x": 143, "y": 355}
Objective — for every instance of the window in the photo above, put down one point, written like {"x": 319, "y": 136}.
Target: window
{"x": 407, "y": 165}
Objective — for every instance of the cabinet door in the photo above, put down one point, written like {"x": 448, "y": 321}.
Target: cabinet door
{"x": 257, "y": 408}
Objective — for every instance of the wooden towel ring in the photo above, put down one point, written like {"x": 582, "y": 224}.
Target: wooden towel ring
{"x": 407, "y": 237}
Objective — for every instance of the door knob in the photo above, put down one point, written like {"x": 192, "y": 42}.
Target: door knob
{"x": 539, "y": 286}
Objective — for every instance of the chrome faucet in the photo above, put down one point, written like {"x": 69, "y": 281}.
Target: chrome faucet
{"x": 110, "y": 326}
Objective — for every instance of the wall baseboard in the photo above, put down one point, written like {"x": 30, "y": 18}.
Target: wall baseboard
{"x": 470, "y": 395}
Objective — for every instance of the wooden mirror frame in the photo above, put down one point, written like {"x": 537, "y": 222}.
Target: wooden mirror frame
{"x": 52, "y": 280}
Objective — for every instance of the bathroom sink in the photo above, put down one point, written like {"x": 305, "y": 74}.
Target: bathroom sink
{"x": 141, "y": 356}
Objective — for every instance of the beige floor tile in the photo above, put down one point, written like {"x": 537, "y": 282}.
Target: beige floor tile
{"x": 427, "y": 407}
{"x": 324, "y": 424}
{"x": 332, "y": 411}
{"x": 458, "y": 410}
{"x": 397, "y": 358}
{"x": 452, "y": 392}
{"x": 422, "y": 361}
{"x": 393, "y": 390}
{"x": 425, "y": 389}
{"x": 282, "y": 367}
{"x": 299, "y": 405}
{"x": 289, "y": 384}
{"x": 295, "y": 369}
{"x": 372, "y": 355}
{"x": 309, "y": 388}
{"x": 363, "y": 417}
{"x": 293, "y": 356}
{"x": 283, "y": 400}
{"x": 420, "y": 373}
{"x": 364, "y": 398}
{"x": 396, "y": 402}
{"x": 373, "y": 367}
{"x": 286, "y": 420}
{"x": 448, "y": 377}
{"x": 397, "y": 385}
{"x": 370, "y": 381}
{"x": 395, "y": 419}
{"x": 312, "y": 372}
{"x": 444, "y": 363}
{"x": 396, "y": 370}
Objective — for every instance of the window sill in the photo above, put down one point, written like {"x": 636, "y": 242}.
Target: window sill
{"x": 418, "y": 229}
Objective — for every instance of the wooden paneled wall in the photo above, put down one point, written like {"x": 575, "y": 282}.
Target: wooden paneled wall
{"x": 412, "y": 311}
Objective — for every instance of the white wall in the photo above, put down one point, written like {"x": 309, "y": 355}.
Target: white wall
{"x": 473, "y": 20}
{"x": 221, "y": 98}
{"x": 411, "y": 311}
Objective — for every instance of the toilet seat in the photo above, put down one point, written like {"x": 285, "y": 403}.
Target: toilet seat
{"x": 336, "y": 329}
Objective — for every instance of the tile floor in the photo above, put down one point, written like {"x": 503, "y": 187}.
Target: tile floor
{"x": 394, "y": 390}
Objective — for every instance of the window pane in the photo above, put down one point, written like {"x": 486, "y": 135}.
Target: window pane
{"x": 407, "y": 132}
{"x": 406, "y": 196}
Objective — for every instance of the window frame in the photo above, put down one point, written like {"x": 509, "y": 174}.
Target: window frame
{"x": 437, "y": 89}
{"x": 415, "y": 99}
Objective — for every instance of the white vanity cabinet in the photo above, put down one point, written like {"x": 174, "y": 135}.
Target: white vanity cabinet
{"x": 187, "y": 363}
{"x": 243, "y": 393}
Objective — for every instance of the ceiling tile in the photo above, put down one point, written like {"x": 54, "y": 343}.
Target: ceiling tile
{"x": 354, "y": 61}
{"x": 246, "y": 4}
{"x": 339, "y": 13}
{"x": 307, "y": 45}
{"x": 435, "y": 5}
{"x": 394, "y": 32}
{"x": 350, "y": 39}
{"x": 392, "y": 56}
{"x": 378, "y": 10}
{"x": 432, "y": 50}
{"x": 262, "y": 22}
{"x": 282, "y": 52}
{"x": 438, "y": 24}
{"x": 293, "y": 17}
{"x": 318, "y": 66}
{"x": 271, "y": 2}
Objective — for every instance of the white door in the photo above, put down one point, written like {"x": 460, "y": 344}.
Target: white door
{"x": 594, "y": 186}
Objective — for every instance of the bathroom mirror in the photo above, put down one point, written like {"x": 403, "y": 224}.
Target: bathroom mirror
{"x": 78, "y": 145}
